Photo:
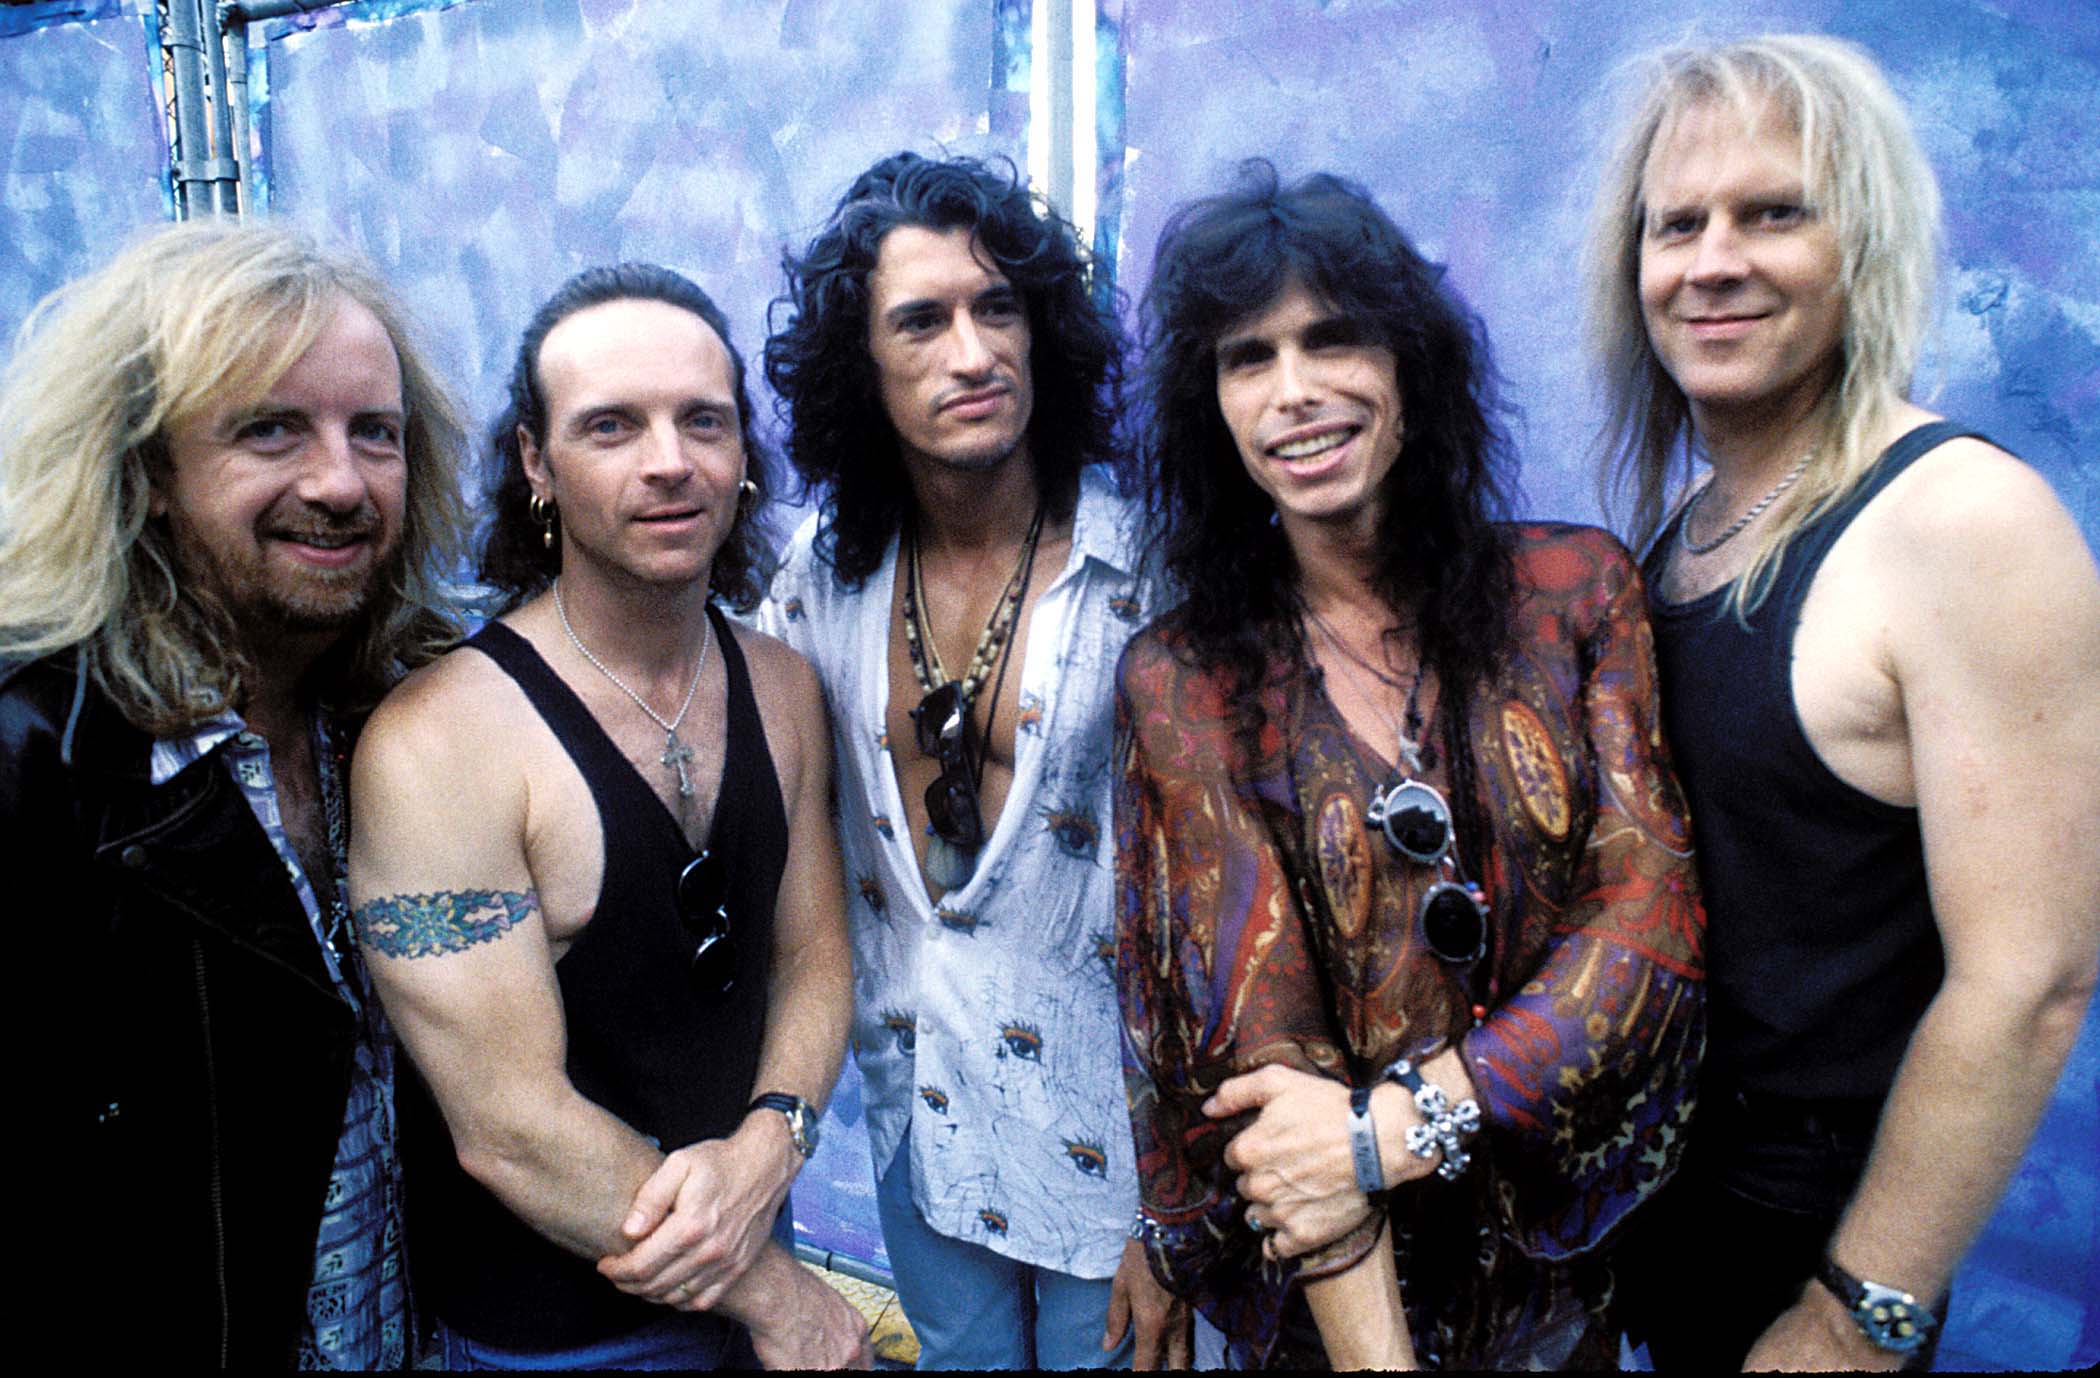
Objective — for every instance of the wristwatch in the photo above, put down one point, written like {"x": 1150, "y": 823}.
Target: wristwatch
{"x": 1893, "y": 1321}
{"x": 801, "y": 1118}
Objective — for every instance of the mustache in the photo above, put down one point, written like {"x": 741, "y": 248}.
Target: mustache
{"x": 996, "y": 383}
{"x": 325, "y": 524}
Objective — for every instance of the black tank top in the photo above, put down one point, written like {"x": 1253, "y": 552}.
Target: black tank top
{"x": 673, "y": 1066}
{"x": 1821, "y": 948}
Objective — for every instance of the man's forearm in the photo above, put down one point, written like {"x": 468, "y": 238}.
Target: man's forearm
{"x": 569, "y": 1170}
{"x": 808, "y": 1010}
{"x": 1976, "y": 1078}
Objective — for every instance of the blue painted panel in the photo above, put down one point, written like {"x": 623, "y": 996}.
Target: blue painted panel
{"x": 482, "y": 152}
{"x": 83, "y": 156}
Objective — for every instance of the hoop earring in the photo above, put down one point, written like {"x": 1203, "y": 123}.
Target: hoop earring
{"x": 541, "y": 511}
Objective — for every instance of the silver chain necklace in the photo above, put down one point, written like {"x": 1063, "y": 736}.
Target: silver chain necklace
{"x": 1408, "y": 722}
{"x": 676, "y": 753}
{"x": 1684, "y": 527}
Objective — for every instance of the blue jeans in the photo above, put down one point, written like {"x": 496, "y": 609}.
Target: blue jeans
{"x": 681, "y": 1340}
{"x": 972, "y": 1308}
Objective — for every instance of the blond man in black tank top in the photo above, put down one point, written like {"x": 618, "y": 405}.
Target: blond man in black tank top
{"x": 1761, "y": 255}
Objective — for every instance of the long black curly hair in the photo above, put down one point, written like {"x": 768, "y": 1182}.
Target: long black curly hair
{"x": 514, "y": 560}
{"x": 1445, "y": 564}
{"x": 841, "y": 441}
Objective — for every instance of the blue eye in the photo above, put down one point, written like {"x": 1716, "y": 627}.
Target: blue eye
{"x": 1023, "y": 1041}
{"x": 1087, "y": 1157}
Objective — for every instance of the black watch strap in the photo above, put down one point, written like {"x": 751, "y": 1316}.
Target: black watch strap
{"x": 801, "y": 1118}
{"x": 1891, "y": 1319}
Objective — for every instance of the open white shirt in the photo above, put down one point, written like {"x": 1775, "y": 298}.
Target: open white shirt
{"x": 986, "y": 1027}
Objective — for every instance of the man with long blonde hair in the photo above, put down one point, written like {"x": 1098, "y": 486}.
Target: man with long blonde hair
{"x": 1878, "y": 636}
{"x": 228, "y": 498}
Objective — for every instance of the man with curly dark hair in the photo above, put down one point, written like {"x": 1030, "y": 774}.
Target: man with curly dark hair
{"x": 1408, "y": 929}
{"x": 600, "y": 927}
{"x": 964, "y": 591}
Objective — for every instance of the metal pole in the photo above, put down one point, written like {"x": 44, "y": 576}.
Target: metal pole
{"x": 249, "y": 11}
{"x": 844, "y": 1264}
{"x": 186, "y": 58}
{"x": 233, "y": 41}
{"x": 227, "y": 183}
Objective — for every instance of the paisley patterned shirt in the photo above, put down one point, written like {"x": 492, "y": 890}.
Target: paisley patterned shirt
{"x": 1262, "y": 920}
{"x": 985, "y": 1026}
{"x": 357, "y": 1303}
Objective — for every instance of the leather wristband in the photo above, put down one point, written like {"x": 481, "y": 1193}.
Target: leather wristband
{"x": 1363, "y": 1143}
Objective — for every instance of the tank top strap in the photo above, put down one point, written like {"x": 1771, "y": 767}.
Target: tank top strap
{"x": 1805, "y": 555}
{"x": 748, "y": 776}
{"x": 618, "y": 791}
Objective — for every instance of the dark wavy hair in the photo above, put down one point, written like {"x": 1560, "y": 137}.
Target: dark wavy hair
{"x": 514, "y": 560}
{"x": 1444, "y": 562}
{"x": 842, "y": 443}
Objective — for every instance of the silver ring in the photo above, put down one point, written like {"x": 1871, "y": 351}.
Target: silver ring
{"x": 1259, "y": 1227}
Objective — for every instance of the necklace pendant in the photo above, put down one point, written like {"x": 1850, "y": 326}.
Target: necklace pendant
{"x": 676, "y": 754}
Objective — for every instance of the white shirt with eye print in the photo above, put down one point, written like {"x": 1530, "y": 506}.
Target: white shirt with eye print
{"x": 986, "y": 1027}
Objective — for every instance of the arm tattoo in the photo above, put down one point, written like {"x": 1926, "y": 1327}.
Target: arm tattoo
{"x": 448, "y": 921}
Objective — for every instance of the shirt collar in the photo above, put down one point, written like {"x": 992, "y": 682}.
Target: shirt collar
{"x": 174, "y": 754}
{"x": 1103, "y": 526}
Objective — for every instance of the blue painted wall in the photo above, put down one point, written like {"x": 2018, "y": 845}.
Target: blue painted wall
{"x": 81, "y": 147}
{"x": 481, "y": 150}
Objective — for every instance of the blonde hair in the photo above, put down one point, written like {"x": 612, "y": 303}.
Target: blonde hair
{"x": 1863, "y": 174}
{"x": 188, "y": 318}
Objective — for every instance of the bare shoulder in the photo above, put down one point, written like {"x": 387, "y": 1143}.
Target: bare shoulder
{"x": 781, "y": 678}
{"x": 438, "y": 703}
{"x": 1968, "y": 497}
{"x": 451, "y": 722}
{"x": 1982, "y": 562}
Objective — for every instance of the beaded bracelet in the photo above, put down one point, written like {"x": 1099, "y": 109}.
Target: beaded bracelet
{"x": 1444, "y": 1126}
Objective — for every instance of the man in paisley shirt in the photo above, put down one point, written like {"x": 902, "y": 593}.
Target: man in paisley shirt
{"x": 231, "y": 486}
{"x": 1409, "y": 942}
{"x": 964, "y": 591}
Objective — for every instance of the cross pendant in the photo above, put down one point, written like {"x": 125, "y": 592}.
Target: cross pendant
{"x": 676, "y": 754}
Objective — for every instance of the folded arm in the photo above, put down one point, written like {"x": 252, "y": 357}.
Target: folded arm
{"x": 701, "y": 1219}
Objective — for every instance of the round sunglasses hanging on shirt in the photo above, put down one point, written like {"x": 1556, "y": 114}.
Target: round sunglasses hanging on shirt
{"x": 1417, "y": 823}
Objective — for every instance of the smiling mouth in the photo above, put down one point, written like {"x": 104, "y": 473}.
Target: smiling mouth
{"x": 1312, "y": 446}
{"x": 325, "y": 540}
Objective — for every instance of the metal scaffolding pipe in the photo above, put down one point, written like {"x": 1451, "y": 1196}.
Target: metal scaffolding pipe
{"x": 249, "y": 11}
{"x": 846, "y": 1265}
{"x": 233, "y": 41}
{"x": 192, "y": 146}
{"x": 227, "y": 187}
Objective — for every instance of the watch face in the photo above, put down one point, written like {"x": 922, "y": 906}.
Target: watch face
{"x": 1892, "y": 1320}
{"x": 803, "y": 1126}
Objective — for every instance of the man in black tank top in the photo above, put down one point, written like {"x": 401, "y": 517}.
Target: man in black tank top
{"x": 1879, "y": 640}
{"x": 598, "y": 887}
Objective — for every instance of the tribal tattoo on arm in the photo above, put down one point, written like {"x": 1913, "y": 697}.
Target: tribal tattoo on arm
{"x": 435, "y": 924}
